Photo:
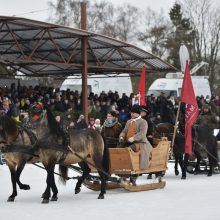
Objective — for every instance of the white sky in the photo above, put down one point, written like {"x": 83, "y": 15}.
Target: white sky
{"x": 37, "y": 9}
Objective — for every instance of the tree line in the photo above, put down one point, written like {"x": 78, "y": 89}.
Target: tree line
{"x": 195, "y": 23}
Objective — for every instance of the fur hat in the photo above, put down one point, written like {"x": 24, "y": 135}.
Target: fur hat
{"x": 136, "y": 109}
{"x": 207, "y": 107}
{"x": 145, "y": 109}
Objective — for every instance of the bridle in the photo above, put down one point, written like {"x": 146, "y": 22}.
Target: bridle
{"x": 36, "y": 114}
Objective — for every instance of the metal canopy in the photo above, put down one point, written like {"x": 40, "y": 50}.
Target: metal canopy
{"x": 41, "y": 49}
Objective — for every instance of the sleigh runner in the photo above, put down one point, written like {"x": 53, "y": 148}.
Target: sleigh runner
{"x": 123, "y": 162}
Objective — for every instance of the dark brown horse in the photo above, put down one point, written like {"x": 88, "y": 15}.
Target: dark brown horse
{"x": 57, "y": 147}
{"x": 202, "y": 141}
{"x": 17, "y": 145}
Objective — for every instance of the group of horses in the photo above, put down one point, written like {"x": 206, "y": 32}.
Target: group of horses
{"x": 204, "y": 145}
{"x": 50, "y": 145}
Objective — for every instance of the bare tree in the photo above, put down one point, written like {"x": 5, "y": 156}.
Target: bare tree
{"x": 127, "y": 22}
{"x": 65, "y": 12}
{"x": 205, "y": 17}
{"x": 120, "y": 22}
{"x": 100, "y": 15}
{"x": 155, "y": 31}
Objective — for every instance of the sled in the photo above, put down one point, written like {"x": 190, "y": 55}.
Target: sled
{"x": 124, "y": 165}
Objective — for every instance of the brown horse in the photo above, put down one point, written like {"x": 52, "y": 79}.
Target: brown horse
{"x": 17, "y": 145}
{"x": 57, "y": 147}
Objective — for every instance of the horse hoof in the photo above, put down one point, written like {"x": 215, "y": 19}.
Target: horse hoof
{"x": 45, "y": 201}
{"x": 11, "y": 199}
{"x": 54, "y": 199}
{"x": 183, "y": 177}
{"x": 149, "y": 177}
{"x": 77, "y": 191}
{"x": 209, "y": 174}
{"x": 25, "y": 187}
{"x": 101, "y": 197}
{"x": 177, "y": 172}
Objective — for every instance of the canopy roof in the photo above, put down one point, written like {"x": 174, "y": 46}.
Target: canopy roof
{"x": 41, "y": 49}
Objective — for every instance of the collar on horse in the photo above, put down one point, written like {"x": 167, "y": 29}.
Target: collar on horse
{"x": 13, "y": 147}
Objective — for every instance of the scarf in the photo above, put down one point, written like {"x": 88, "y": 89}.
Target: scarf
{"x": 110, "y": 124}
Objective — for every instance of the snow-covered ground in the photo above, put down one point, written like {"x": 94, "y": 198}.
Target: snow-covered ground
{"x": 197, "y": 197}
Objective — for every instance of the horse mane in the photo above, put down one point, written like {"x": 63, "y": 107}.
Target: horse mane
{"x": 8, "y": 125}
{"x": 52, "y": 123}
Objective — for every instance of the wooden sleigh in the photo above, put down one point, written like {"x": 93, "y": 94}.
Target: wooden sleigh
{"x": 125, "y": 163}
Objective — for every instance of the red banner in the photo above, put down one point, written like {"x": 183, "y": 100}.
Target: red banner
{"x": 192, "y": 111}
{"x": 142, "y": 86}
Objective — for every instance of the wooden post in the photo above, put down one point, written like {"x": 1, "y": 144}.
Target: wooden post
{"x": 175, "y": 126}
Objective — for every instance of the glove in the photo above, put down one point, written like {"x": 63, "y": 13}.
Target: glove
{"x": 131, "y": 139}
{"x": 121, "y": 140}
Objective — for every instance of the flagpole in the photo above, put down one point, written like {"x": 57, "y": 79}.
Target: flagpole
{"x": 176, "y": 125}
{"x": 139, "y": 98}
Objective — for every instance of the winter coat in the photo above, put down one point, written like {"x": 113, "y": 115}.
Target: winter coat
{"x": 140, "y": 137}
{"x": 209, "y": 120}
{"x": 110, "y": 134}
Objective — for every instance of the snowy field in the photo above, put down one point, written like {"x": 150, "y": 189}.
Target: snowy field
{"x": 197, "y": 197}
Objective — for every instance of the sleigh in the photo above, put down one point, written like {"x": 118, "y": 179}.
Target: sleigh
{"x": 124, "y": 167}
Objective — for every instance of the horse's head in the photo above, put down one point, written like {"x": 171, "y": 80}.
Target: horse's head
{"x": 8, "y": 130}
{"x": 3, "y": 139}
{"x": 163, "y": 130}
{"x": 41, "y": 117}
{"x": 36, "y": 112}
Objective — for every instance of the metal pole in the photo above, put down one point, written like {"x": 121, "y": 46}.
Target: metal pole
{"x": 85, "y": 63}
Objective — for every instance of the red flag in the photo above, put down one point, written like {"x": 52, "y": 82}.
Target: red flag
{"x": 142, "y": 86}
{"x": 192, "y": 111}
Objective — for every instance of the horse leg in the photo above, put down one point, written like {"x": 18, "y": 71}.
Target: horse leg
{"x": 50, "y": 184}
{"x": 212, "y": 155}
{"x": 211, "y": 165}
{"x": 102, "y": 175}
{"x": 103, "y": 185}
{"x": 180, "y": 161}
{"x": 20, "y": 167}
{"x": 12, "y": 168}
{"x": 149, "y": 176}
{"x": 185, "y": 163}
{"x": 86, "y": 171}
{"x": 176, "y": 165}
{"x": 198, "y": 157}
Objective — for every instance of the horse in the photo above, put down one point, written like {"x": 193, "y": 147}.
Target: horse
{"x": 16, "y": 142}
{"x": 57, "y": 147}
{"x": 202, "y": 140}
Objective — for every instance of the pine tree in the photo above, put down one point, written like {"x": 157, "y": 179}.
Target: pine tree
{"x": 182, "y": 34}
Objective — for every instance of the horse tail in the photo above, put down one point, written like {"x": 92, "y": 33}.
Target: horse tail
{"x": 63, "y": 171}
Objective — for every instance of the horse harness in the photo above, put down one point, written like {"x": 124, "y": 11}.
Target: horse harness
{"x": 21, "y": 148}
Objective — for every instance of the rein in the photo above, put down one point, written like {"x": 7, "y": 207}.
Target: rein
{"x": 197, "y": 142}
{"x": 22, "y": 148}
{"x": 202, "y": 146}
{"x": 86, "y": 161}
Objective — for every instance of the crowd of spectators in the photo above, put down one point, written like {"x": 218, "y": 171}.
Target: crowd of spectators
{"x": 18, "y": 99}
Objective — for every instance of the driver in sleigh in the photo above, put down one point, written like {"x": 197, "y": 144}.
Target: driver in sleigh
{"x": 134, "y": 136}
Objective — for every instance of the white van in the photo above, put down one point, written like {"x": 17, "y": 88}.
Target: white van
{"x": 172, "y": 86}
{"x": 98, "y": 83}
